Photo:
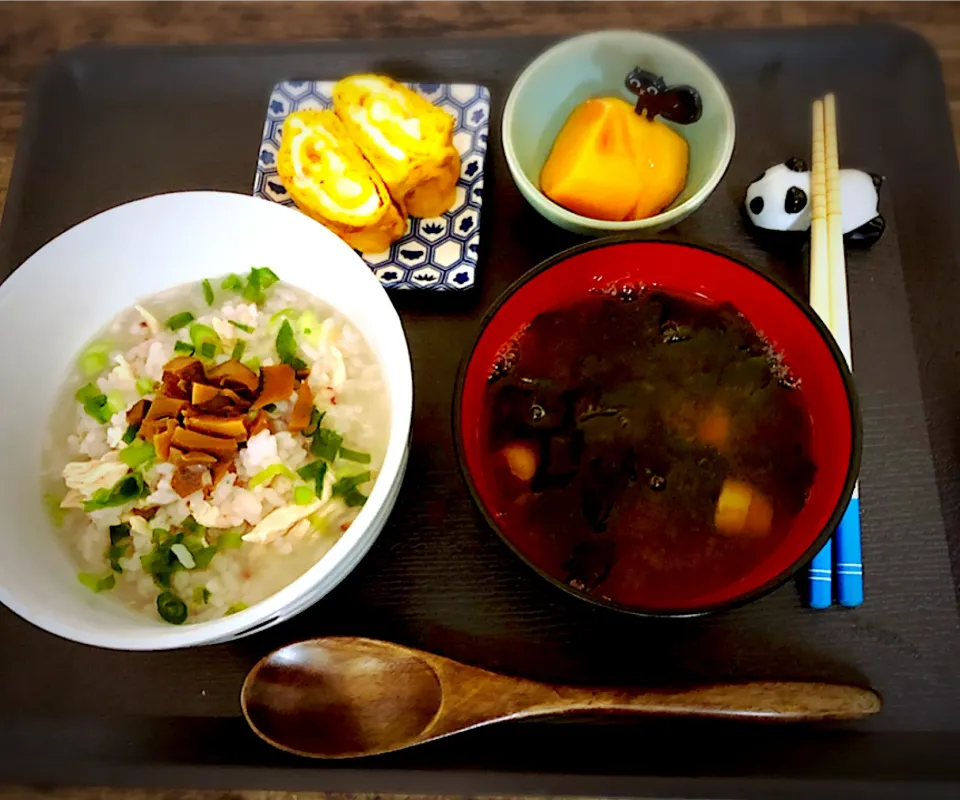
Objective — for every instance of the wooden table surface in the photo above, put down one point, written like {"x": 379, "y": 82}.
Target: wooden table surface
{"x": 30, "y": 32}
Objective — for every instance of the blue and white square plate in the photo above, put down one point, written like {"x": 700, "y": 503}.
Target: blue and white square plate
{"x": 439, "y": 253}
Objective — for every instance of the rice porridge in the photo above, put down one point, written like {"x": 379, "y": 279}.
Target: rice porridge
{"x": 212, "y": 444}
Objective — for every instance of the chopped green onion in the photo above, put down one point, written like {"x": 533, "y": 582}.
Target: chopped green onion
{"x": 354, "y": 455}
{"x": 259, "y": 280}
{"x": 119, "y": 533}
{"x": 318, "y": 521}
{"x": 201, "y": 334}
{"x": 304, "y": 495}
{"x": 207, "y": 292}
{"x": 349, "y": 482}
{"x": 232, "y": 283}
{"x": 87, "y": 392}
{"x": 241, "y": 326}
{"x": 146, "y": 385}
{"x": 95, "y": 359}
{"x": 253, "y": 363}
{"x": 138, "y": 454}
{"x": 315, "y": 419}
{"x": 204, "y": 557}
{"x": 119, "y": 545}
{"x": 286, "y": 343}
{"x": 115, "y": 553}
{"x": 183, "y": 347}
{"x": 346, "y": 487}
{"x": 326, "y": 444}
{"x": 127, "y": 489}
{"x": 314, "y": 471}
{"x": 194, "y": 543}
{"x": 183, "y": 555}
{"x": 208, "y": 349}
{"x": 238, "y": 349}
{"x": 283, "y": 312}
{"x": 308, "y": 326}
{"x": 270, "y": 407}
{"x": 52, "y": 503}
{"x": 130, "y": 434}
{"x": 178, "y": 321}
{"x": 267, "y": 474}
{"x": 265, "y": 276}
{"x": 190, "y": 525}
{"x": 354, "y": 498}
{"x": 115, "y": 401}
{"x": 235, "y": 608}
{"x": 201, "y": 595}
{"x": 95, "y": 403}
{"x": 229, "y": 540}
{"x": 171, "y": 608}
{"x": 163, "y": 561}
{"x": 95, "y": 583}
{"x": 98, "y": 409}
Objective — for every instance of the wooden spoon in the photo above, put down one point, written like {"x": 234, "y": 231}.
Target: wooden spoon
{"x": 348, "y": 697}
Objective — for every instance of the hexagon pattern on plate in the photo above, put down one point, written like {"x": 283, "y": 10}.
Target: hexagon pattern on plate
{"x": 438, "y": 254}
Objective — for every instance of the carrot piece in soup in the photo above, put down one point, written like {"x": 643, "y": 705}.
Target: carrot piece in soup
{"x": 521, "y": 459}
{"x": 714, "y": 428}
{"x": 742, "y": 511}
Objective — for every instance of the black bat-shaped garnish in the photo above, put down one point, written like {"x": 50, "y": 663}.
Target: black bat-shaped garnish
{"x": 680, "y": 104}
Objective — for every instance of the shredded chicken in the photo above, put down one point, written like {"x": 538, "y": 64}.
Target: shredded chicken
{"x": 72, "y": 499}
{"x": 151, "y": 320}
{"x": 326, "y": 339}
{"x": 121, "y": 372}
{"x": 279, "y": 521}
{"x": 338, "y": 376}
{"x": 138, "y": 524}
{"x": 205, "y": 513}
{"x": 301, "y": 529}
{"x": 89, "y": 476}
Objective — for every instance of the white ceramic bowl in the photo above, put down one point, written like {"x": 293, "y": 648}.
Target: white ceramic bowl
{"x": 64, "y": 293}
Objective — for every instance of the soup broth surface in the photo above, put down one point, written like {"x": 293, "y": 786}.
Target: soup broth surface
{"x": 645, "y": 447}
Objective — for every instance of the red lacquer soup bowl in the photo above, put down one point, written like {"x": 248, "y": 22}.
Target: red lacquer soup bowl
{"x": 705, "y": 277}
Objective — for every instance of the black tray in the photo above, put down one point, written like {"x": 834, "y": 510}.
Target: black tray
{"x": 108, "y": 125}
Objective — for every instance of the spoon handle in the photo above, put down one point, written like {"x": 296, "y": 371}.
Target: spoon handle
{"x": 771, "y": 701}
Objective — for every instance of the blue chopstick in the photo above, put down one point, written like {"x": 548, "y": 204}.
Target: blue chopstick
{"x": 848, "y": 556}
{"x": 821, "y": 577}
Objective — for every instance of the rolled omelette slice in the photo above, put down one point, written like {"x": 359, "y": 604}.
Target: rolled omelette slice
{"x": 408, "y": 140}
{"x": 330, "y": 181}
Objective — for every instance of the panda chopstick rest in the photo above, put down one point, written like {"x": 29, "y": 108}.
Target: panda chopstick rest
{"x": 779, "y": 201}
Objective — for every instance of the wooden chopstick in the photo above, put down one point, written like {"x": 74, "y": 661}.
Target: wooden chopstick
{"x": 821, "y": 568}
{"x": 828, "y": 296}
{"x": 839, "y": 319}
{"x": 819, "y": 246}
{"x": 847, "y": 545}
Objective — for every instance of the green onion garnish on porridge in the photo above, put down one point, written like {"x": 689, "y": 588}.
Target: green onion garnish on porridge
{"x": 212, "y": 445}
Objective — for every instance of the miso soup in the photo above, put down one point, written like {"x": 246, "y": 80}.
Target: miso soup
{"x": 643, "y": 444}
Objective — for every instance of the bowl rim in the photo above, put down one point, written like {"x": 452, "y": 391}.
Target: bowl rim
{"x": 343, "y": 557}
{"x": 853, "y": 467}
{"x": 669, "y": 215}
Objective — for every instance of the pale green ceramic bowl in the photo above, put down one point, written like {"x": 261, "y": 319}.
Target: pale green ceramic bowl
{"x": 596, "y": 65}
